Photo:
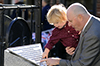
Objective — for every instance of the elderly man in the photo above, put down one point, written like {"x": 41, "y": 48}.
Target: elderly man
{"x": 87, "y": 52}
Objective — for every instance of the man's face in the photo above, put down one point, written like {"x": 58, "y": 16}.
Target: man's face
{"x": 73, "y": 21}
{"x": 43, "y": 3}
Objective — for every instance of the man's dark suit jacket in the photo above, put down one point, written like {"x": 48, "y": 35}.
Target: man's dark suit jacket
{"x": 87, "y": 52}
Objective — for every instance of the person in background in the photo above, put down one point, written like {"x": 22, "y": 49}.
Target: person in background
{"x": 14, "y": 13}
{"x": 87, "y": 53}
{"x": 62, "y": 32}
{"x": 46, "y": 6}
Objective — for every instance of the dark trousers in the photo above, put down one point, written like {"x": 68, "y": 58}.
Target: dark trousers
{"x": 59, "y": 51}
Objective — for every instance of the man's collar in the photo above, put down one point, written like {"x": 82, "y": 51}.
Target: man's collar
{"x": 87, "y": 23}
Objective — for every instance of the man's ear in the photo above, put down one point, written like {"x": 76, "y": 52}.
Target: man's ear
{"x": 80, "y": 17}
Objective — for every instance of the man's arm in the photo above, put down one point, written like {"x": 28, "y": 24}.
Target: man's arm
{"x": 90, "y": 50}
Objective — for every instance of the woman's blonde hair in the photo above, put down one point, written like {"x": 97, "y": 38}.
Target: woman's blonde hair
{"x": 57, "y": 13}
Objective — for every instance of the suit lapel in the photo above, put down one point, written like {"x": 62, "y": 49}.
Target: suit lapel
{"x": 82, "y": 35}
{"x": 88, "y": 26}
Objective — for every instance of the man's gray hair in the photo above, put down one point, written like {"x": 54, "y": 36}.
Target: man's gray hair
{"x": 78, "y": 8}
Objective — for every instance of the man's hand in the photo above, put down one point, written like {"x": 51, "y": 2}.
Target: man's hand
{"x": 51, "y": 61}
{"x": 70, "y": 50}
